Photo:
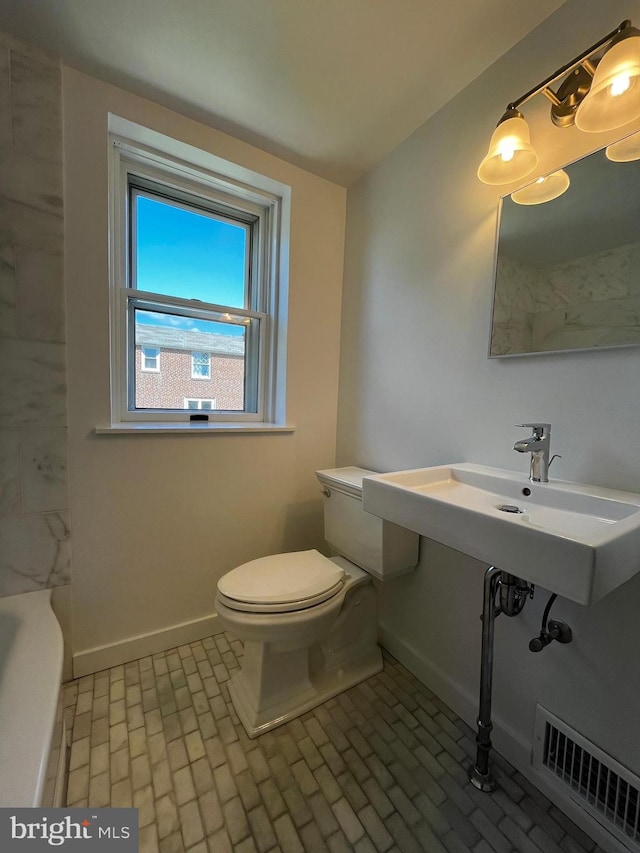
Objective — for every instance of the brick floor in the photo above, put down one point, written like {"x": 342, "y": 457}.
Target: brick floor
{"x": 382, "y": 767}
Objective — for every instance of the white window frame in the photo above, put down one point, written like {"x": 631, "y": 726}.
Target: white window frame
{"x": 144, "y": 357}
{"x": 184, "y": 169}
{"x": 194, "y": 373}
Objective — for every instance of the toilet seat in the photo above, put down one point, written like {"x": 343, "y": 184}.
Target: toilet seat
{"x": 281, "y": 583}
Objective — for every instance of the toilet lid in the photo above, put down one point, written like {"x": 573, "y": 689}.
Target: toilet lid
{"x": 282, "y": 578}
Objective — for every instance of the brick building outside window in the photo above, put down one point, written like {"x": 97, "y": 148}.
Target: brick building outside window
{"x": 179, "y": 369}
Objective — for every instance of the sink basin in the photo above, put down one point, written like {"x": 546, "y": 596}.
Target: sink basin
{"x": 578, "y": 541}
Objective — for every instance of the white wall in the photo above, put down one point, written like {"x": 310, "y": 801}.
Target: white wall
{"x": 160, "y": 518}
{"x": 417, "y": 389}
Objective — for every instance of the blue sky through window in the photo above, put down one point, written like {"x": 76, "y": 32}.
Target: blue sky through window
{"x": 192, "y": 256}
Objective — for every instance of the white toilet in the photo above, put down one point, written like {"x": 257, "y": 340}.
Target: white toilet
{"x": 309, "y": 623}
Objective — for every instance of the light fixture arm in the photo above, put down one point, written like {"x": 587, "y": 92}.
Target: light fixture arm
{"x": 582, "y": 60}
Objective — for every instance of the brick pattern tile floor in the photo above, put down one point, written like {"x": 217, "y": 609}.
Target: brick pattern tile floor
{"x": 382, "y": 767}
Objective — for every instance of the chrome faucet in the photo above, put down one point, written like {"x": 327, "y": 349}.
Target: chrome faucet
{"x": 538, "y": 445}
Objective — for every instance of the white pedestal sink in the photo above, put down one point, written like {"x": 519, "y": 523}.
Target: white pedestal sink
{"x": 578, "y": 541}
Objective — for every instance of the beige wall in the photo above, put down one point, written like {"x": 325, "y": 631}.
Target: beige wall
{"x": 417, "y": 389}
{"x": 158, "y": 519}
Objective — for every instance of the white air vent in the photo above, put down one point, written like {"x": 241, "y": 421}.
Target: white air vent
{"x": 590, "y": 777}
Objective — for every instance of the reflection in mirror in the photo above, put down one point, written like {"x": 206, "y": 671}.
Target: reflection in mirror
{"x": 568, "y": 270}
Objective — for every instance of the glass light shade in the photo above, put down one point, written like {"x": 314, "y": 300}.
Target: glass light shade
{"x": 511, "y": 155}
{"x": 544, "y": 189}
{"x": 626, "y": 150}
{"x": 614, "y": 97}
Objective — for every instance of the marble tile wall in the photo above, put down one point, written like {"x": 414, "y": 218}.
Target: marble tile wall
{"x": 514, "y": 307}
{"x": 34, "y": 503}
{"x": 592, "y": 301}
{"x": 588, "y": 302}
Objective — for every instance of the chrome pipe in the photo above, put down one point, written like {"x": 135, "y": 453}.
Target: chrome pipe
{"x": 513, "y": 594}
{"x": 480, "y": 775}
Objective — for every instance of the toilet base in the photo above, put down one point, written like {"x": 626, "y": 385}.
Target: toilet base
{"x": 293, "y": 662}
{"x": 311, "y": 691}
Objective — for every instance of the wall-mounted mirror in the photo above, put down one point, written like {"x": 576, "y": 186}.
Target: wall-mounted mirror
{"x": 568, "y": 270}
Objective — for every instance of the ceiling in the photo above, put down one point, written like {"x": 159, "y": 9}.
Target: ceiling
{"x": 330, "y": 85}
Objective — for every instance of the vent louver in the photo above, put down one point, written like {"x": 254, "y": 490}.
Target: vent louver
{"x": 602, "y": 786}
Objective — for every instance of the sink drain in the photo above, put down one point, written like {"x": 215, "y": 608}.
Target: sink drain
{"x": 509, "y": 508}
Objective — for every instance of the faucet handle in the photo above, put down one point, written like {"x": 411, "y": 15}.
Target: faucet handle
{"x": 534, "y": 426}
{"x": 538, "y": 428}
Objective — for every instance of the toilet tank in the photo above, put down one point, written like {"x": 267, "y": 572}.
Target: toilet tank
{"x": 381, "y": 548}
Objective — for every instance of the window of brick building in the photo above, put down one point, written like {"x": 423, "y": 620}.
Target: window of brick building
{"x": 150, "y": 359}
{"x": 200, "y": 365}
{"x": 206, "y": 405}
{"x": 199, "y": 277}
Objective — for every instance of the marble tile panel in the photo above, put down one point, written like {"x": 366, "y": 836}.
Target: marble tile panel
{"x": 556, "y": 288}
{"x": 25, "y": 49}
{"x": 548, "y": 328}
{"x": 32, "y": 384}
{"x": 634, "y": 270}
{"x": 44, "y": 470}
{"x": 620, "y": 337}
{"x": 28, "y": 226}
{"x": 572, "y": 285}
{"x": 36, "y": 107}
{"x": 10, "y": 469}
{"x": 512, "y": 336}
{"x": 8, "y": 293}
{"x": 5, "y": 99}
{"x": 31, "y": 181}
{"x": 589, "y": 302}
{"x": 615, "y": 315}
{"x": 516, "y": 283}
{"x": 574, "y": 338}
{"x": 40, "y": 295}
{"x": 603, "y": 276}
{"x": 34, "y": 552}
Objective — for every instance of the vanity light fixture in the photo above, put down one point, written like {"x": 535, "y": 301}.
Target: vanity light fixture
{"x": 600, "y": 91}
{"x": 626, "y": 150}
{"x": 544, "y": 189}
{"x": 511, "y": 155}
{"x": 614, "y": 97}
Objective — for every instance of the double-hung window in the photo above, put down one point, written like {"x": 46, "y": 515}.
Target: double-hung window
{"x": 198, "y": 275}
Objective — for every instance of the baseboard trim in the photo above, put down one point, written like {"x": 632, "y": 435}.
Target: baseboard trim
{"x": 133, "y": 648}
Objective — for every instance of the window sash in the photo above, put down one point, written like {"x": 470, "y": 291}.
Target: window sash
{"x": 139, "y": 187}
{"x": 254, "y": 343}
{"x": 254, "y": 322}
{"x": 181, "y": 168}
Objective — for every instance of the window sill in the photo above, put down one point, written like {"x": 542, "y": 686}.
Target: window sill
{"x": 202, "y": 428}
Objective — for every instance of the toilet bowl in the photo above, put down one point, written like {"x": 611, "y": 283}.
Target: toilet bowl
{"x": 309, "y": 622}
{"x": 286, "y": 600}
